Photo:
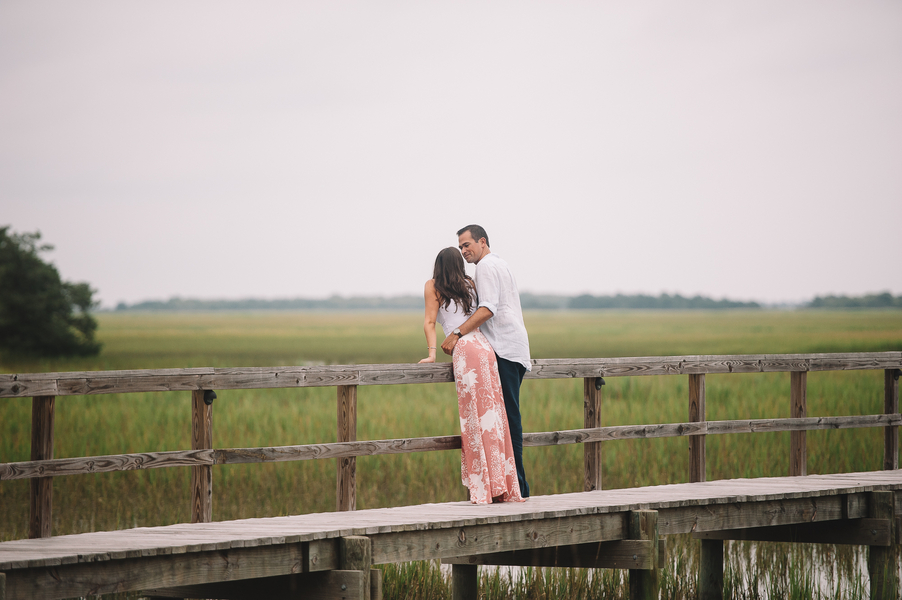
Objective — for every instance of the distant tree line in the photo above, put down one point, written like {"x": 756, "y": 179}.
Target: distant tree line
{"x": 883, "y": 300}
{"x": 529, "y": 302}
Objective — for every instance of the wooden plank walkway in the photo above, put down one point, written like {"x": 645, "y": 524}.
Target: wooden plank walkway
{"x": 202, "y": 553}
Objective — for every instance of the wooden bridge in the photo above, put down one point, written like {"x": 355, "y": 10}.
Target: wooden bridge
{"x": 329, "y": 555}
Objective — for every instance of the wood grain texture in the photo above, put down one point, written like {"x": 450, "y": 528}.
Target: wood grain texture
{"x": 346, "y": 479}
{"x": 798, "y": 445}
{"x": 163, "y": 571}
{"x": 105, "y": 464}
{"x": 325, "y": 585}
{"x": 621, "y": 554}
{"x": 866, "y": 532}
{"x": 643, "y": 525}
{"x": 183, "y": 458}
{"x": 891, "y": 407}
{"x": 591, "y": 419}
{"x": 697, "y": 415}
{"x": 469, "y": 539}
{"x": 22, "y": 385}
{"x": 201, "y": 475}
{"x": 40, "y": 518}
{"x": 204, "y": 552}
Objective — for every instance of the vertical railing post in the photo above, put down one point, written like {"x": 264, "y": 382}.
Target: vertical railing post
{"x": 798, "y": 449}
{"x": 697, "y": 415}
{"x": 890, "y": 407}
{"x": 40, "y": 521}
{"x": 592, "y": 418}
{"x": 202, "y": 439}
{"x": 346, "y": 487}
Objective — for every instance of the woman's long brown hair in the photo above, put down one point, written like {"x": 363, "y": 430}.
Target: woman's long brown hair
{"x": 451, "y": 281}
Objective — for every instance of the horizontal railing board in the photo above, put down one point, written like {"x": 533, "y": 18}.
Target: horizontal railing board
{"x": 162, "y": 380}
{"x": 154, "y": 460}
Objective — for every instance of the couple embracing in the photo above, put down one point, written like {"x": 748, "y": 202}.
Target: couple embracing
{"x": 487, "y": 340}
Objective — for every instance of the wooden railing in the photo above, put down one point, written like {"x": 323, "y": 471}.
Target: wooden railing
{"x": 44, "y": 387}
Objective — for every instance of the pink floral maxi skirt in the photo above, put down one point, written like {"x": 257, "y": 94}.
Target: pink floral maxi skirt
{"x": 487, "y": 464}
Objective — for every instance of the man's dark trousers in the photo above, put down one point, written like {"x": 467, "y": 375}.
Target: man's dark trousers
{"x": 511, "y": 374}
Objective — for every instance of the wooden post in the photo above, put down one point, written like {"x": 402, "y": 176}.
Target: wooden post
{"x": 710, "y": 576}
{"x": 798, "y": 450}
{"x": 643, "y": 525}
{"x": 592, "y": 418}
{"x": 202, "y": 476}
{"x": 40, "y": 521}
{"x": 355, "y": 553}
{"x": 882, "y": 567}
{"x": 891, "y": 407}
{"x": 465, "y": 581}
{"x": 697, "y": 415}
{"x": 346, "y": 488}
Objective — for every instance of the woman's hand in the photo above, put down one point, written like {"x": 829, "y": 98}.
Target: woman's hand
{"x": 428, "y": 359}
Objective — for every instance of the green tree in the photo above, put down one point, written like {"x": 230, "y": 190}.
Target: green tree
{"x": 40, "y": 314}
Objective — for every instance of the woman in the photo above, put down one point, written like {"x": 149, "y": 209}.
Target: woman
{"x": 487, "y": 465}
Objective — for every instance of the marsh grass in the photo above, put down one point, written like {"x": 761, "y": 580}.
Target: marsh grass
{"x": 127, "y": 423}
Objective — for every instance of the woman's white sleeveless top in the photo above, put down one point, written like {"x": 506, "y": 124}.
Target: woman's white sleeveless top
{"x": 452, "y": 317}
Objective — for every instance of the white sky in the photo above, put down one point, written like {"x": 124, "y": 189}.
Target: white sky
{"x": 750, "y": 150}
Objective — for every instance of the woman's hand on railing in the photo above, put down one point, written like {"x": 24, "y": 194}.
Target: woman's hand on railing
{"x": 428, "y": 359}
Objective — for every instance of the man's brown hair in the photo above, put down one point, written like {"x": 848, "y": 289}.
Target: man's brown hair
{"x": 477, "y": 232}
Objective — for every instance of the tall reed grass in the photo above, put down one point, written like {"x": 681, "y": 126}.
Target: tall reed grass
{"x": 115, "y": 424}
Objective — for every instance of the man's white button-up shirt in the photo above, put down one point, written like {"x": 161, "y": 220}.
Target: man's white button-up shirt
{"x": 497, "y": 290}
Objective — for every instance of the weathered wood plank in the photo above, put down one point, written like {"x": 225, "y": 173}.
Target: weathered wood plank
{"x": 104, "y": 464}
{"x": 891, "y": 407}
{"x": 643, "y": 525}
{"x": 40, "y": 518}
{"x": 496, "y": 537}
{"x": 22, "y": 385}
{"x": 866, "y": 532}
{"x": 346, "y": 480}
{"x": 798, "y": 409}
{"x": 697, "y": 415}
{"x": 621, "y": 554}
{"x": 743, "y": 515}
{"x": 88, "y": 579}
{"x": 201, "y": 475}
{"x": 325, "y": 585}
{"x": 183, "y": 458}
{"x": 592, "y": 420}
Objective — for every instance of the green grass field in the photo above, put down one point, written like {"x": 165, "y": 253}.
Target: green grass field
{"x": 115, "y": 424}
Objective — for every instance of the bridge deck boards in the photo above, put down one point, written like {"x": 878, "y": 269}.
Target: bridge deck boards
{"x": 200, "y": 537}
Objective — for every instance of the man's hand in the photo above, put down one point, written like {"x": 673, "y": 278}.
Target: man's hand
{"x": 449, "y": 343}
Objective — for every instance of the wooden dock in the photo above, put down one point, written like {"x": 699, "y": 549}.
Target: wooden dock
{"x": 329, "y": 555}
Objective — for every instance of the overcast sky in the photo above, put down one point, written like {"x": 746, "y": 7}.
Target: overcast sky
{"x": 749, "y": 150}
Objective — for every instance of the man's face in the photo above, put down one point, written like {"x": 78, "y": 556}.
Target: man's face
{"x": 472, "y": 250}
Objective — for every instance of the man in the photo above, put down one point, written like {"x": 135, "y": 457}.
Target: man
{"x": 500, "y": 319}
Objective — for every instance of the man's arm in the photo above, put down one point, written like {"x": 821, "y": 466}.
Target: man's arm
{"x": 479, "y": 317}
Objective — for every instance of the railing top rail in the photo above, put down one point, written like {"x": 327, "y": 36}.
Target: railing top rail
{"x": 207, "y": 378}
